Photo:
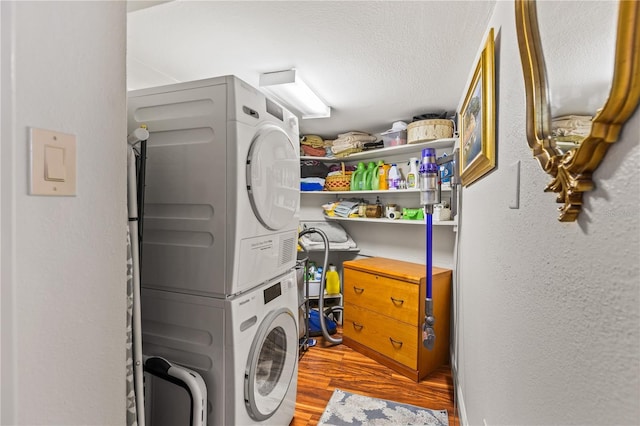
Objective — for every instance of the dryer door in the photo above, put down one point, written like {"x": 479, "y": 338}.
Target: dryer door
{"x": 273, "y": 177}
{"x": 271, "y": 365}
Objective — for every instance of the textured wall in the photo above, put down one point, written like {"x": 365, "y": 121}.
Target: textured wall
{"x": 64, "y": 69}
{"x": 549, "y": 311}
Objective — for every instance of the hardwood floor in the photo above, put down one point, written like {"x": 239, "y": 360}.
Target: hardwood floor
{"x": 324, "y": 368}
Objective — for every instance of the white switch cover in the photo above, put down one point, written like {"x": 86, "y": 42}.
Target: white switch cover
{"x": 53, "y": 163}
{"x": 514, "y": 185}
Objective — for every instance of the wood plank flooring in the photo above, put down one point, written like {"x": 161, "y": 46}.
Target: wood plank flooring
{"x": 324, "y": 368}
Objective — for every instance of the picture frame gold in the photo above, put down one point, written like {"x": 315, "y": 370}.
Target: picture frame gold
{"x": 573, "y": 172}
{"x": 476, "y": 119}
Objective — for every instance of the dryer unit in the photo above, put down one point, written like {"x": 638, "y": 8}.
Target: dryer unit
{"x": 222, "y": 192}
{"x": 245, "y": 348}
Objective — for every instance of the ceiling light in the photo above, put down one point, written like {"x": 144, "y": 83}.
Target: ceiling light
{"x": 291, "y": 91}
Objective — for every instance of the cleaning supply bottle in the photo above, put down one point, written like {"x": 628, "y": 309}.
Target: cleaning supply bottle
{"x": 412, "y": 176}
{"x": 394, "y": 177}
{"x": 333, "y": 280}
{"x": 368, "y": 175}
{"x": 383, "y": 176}
{"x": 375, "y": 176}
{"x": 356, "y": 178}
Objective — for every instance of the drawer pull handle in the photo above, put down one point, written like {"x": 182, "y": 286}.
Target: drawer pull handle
{"x": 358, "y": 290}
{"x": 358, "y": 326}
{"x": 396, "y": 301}
{"x": 395, "y": 342}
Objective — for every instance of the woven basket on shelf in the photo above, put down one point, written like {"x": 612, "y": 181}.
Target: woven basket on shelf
{"x": 338, "y": 182}
{"x": 428, "y": 130}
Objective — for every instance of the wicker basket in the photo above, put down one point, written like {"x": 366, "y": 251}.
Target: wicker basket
{"x": 338, "y": 182}
{"x": 428, "y": 130}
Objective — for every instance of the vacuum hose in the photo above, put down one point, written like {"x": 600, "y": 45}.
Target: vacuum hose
{"x": 323, "y": 323}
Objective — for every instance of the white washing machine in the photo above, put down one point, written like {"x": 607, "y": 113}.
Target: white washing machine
{"x": 245, "y": 348}
{"x": 222, "y": 186}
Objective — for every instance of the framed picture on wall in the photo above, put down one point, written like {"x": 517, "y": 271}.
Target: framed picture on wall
{"x": 477, "y": 119}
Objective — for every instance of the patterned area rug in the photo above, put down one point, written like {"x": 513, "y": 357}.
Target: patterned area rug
{"x": 346, "y": 408}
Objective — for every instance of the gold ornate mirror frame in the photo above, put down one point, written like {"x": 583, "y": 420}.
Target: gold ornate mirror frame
{"x": 572, "y": 171}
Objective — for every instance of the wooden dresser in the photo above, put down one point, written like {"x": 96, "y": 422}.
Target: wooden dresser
{"x": 384, "y": 313}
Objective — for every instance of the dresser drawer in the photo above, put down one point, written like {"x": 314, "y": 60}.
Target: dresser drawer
{"x": 387, "y": 296}
{"x": 384, "y": 302}
{"x": 394, "y": 339}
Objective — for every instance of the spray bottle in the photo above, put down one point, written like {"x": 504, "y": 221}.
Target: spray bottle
{"x": 413, "y": 179}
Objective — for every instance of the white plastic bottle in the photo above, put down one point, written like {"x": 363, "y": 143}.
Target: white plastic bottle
{"x": 412, "y": 176}
{"x": 394, "y": 177}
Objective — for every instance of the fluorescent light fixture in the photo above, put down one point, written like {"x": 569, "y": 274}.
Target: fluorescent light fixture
{"x": 291, "y": 91}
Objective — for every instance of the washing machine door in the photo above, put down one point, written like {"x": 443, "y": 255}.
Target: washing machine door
{"x": 273, "y": 177}
{"x": 271, "y": 365}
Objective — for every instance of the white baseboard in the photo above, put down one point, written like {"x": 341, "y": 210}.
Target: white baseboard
{"x": 459, "y": 399}
{"x": 462, "y": 412}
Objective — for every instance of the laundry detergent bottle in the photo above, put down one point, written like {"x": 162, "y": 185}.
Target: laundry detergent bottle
{"x": 375, "y": 176}
{"x": 333, "y": 280}
{"x": 356, "y": 178}
{"x": 368, "y": 176}
{"x": 383, "y": 176}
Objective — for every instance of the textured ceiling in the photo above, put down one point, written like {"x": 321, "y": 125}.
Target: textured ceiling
{"x": 373, "y": 62}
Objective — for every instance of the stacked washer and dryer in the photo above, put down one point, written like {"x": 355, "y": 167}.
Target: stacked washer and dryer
{"x": 221, "y": 213}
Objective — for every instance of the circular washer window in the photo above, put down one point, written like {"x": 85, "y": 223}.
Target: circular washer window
{"x": 271, "y": 365}
{"x": 273, "y": 177}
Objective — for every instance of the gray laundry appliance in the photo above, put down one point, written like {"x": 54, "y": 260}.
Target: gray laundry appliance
{"x": 222, "y": 190}
{"x": 219, "y": 241}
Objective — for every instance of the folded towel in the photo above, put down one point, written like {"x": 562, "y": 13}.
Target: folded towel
{"x": 313, "y": 168}
{"x": 314, "y": 141}
{"x": 353, "y": 133}
{"x": 311, "y": 184}
{"x": 347, "y": 152}
{"x": 356, "y": 138}
{"x": 313, "y": 152}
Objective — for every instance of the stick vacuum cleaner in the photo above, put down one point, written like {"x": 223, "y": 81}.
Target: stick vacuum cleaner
{"x": 429, "y": 196}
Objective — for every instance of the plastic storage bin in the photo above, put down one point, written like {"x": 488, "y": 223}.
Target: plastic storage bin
{"x": 394, "y": 138}
{"x": 314, "y": 289}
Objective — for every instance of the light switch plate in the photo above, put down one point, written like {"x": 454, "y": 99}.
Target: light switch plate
{"x": 53, "y": 163}
{"x": 514, "y": 185}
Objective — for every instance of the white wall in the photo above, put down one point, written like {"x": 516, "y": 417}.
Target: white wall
{"x": 550, "y": 311}
{"x": 63, "y": 258}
